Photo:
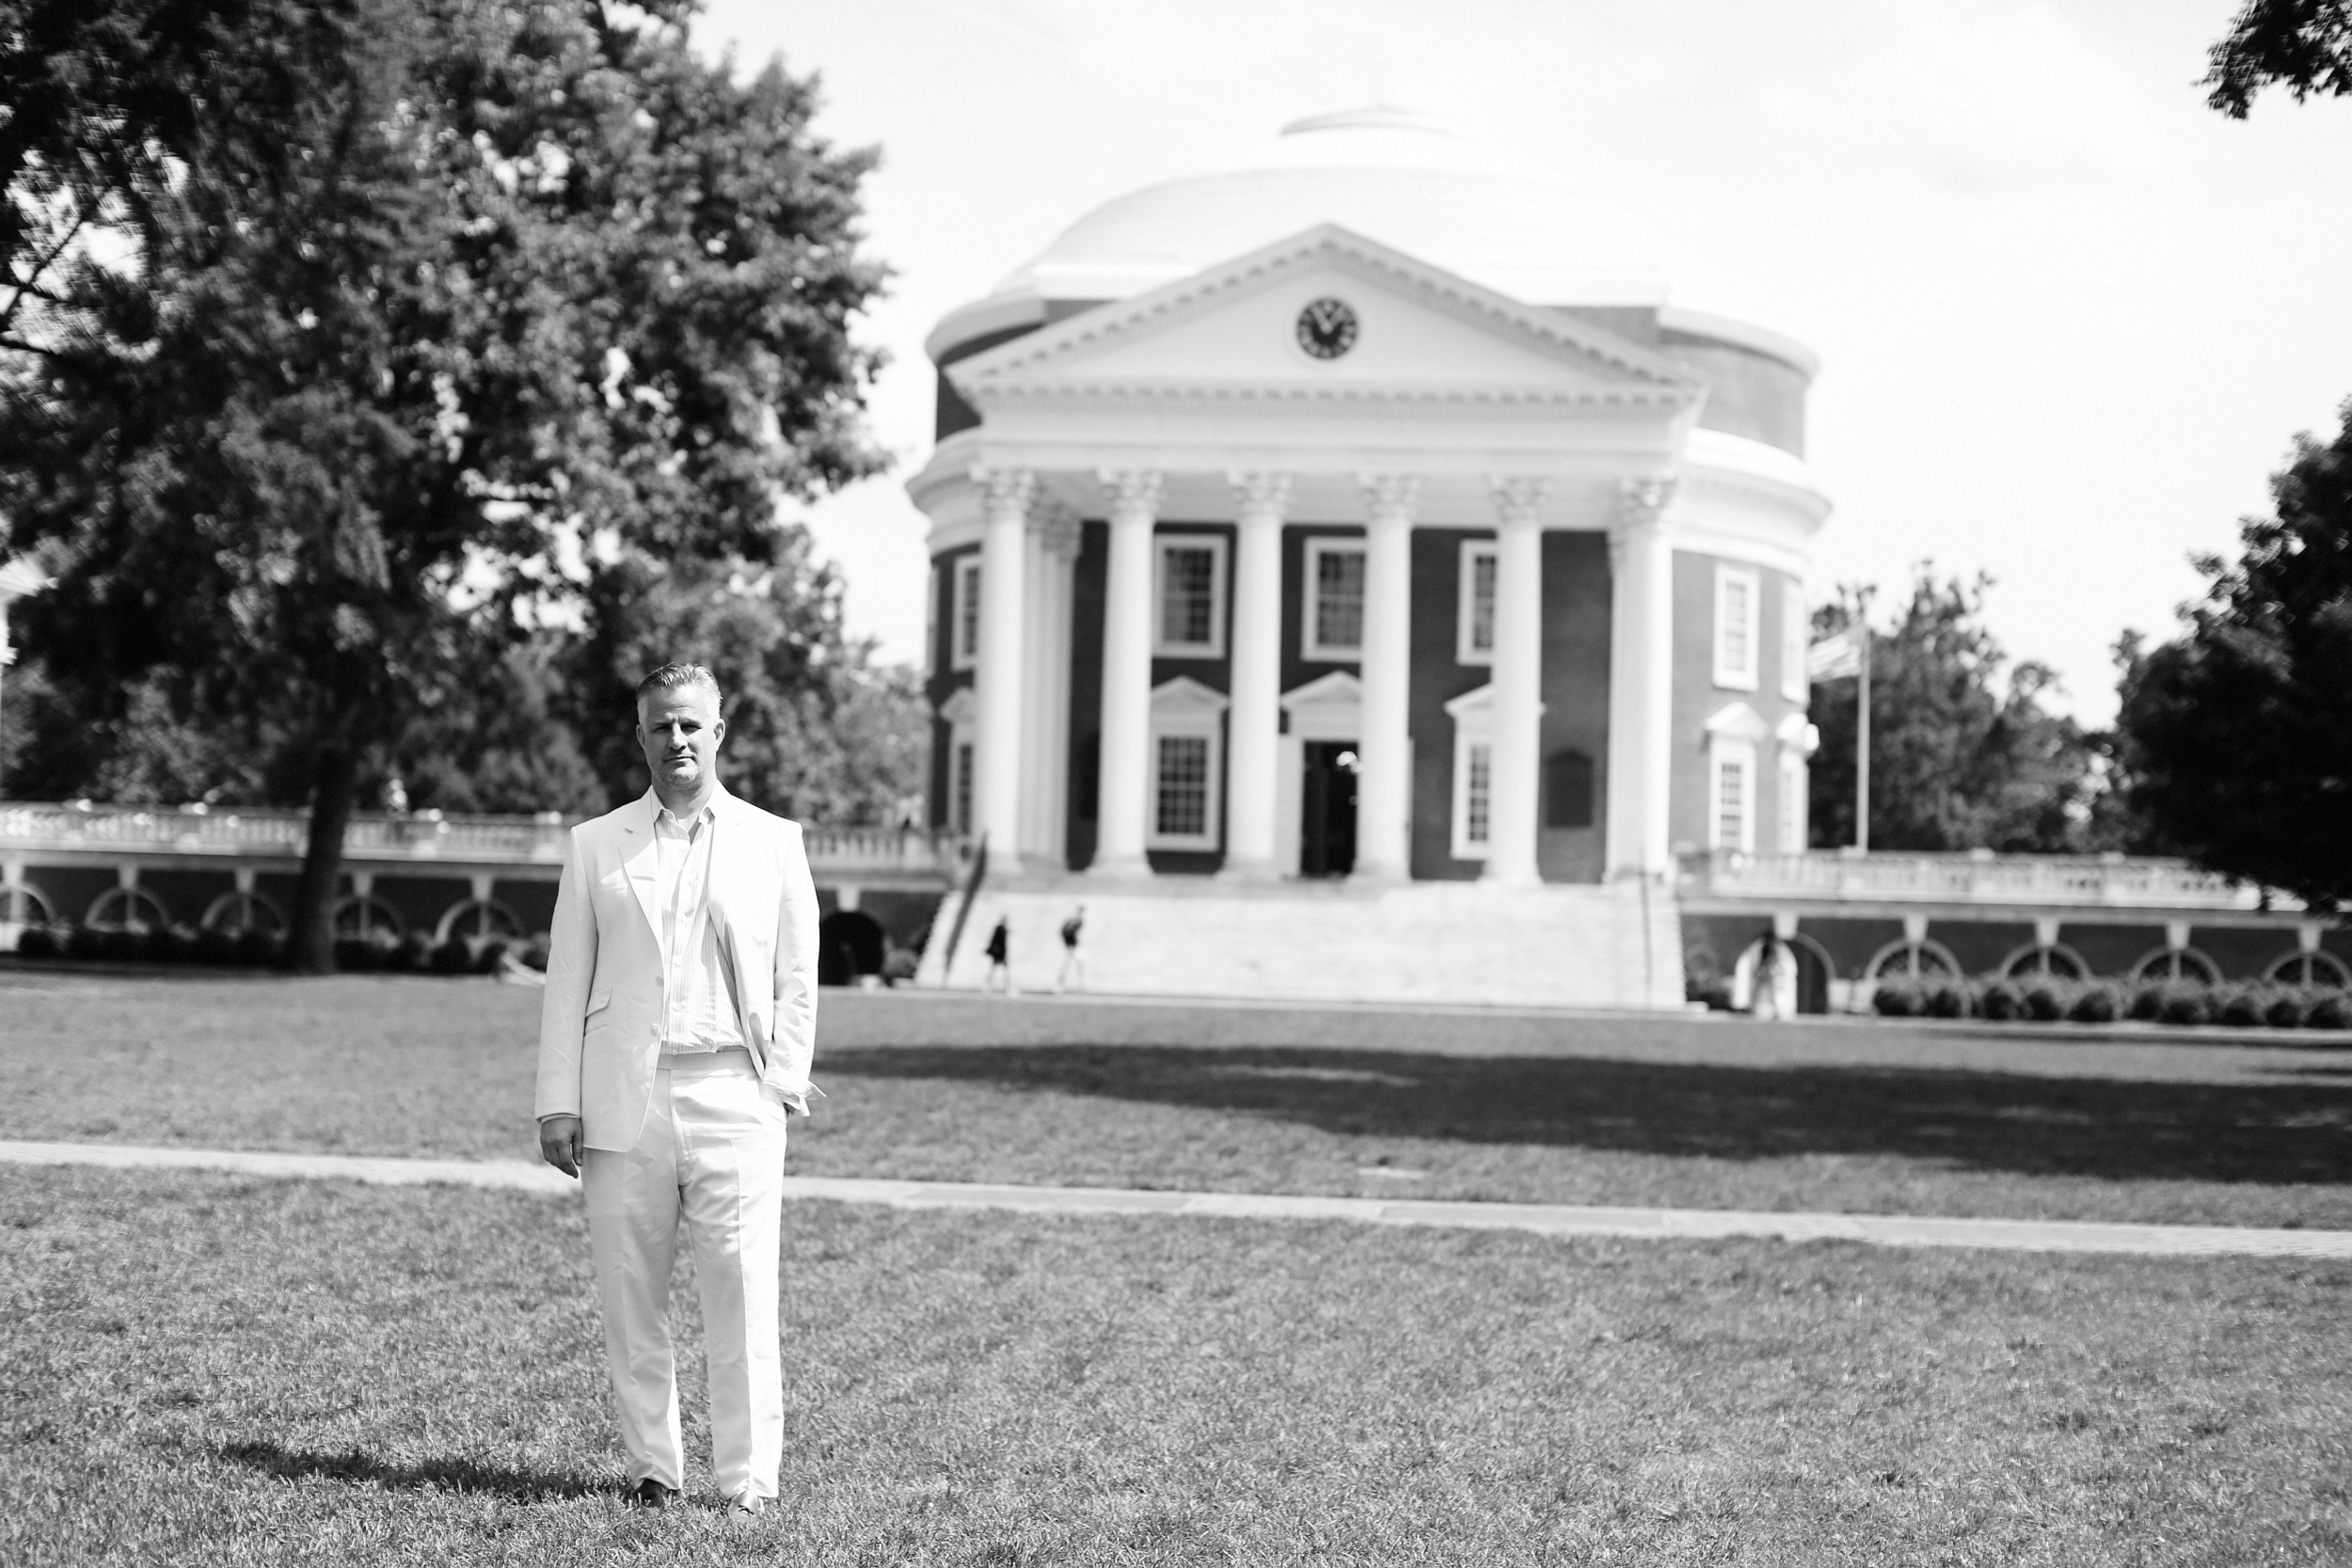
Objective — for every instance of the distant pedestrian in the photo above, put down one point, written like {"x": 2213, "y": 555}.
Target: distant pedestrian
{"x": 1073, "y": 963}
{"x": 999, "y": 976}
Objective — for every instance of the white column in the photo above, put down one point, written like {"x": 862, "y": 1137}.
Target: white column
{"x": 1641, "y": 680}
{"x": 1054, "y": 535}
{"x": 1384, "y": 787}
{"x": 1004, "y": 551}
{"x": 1515, "y": 759}
{"x": 1253, "y": 739}
{"x": 1122, "y": 790}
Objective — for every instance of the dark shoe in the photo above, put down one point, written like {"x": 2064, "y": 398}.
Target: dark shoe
{"x": 650, "y": 1493}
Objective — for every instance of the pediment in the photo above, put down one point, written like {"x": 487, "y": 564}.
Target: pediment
{"x": 1338, "y": 689}
{"x": 1183, "y": 694}
{"x": 1737, "y": 721}
{"x": 1416, "y": 333}
{"x": 961, "y": 706}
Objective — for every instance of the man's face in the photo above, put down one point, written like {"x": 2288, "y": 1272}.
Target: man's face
{"x": 680, "y": 730}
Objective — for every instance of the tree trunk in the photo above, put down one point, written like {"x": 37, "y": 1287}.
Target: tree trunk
{"x": 311, "y": 946}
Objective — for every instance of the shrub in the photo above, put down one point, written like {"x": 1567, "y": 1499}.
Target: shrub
{"x": 2048, "y": 1000}
{"x": 1899, "y": 998}
{"x": 259, "y": 948}
{"x": 2284, "y": 1008}
{"x": 363, "y": 955}
{"x": 411, "y": 955}
{"x": 167, "y": 944}
{"x": 452, "y": 957}
{"x": 102, "y": 942}
{"x": 1947, "y": 998}
{"x": 490, "y": 956}
{"x": 2146, "y": 1001}
{"x": 2096, "y": 1002}
{"x": 2187, "y": 1002}
{"x": 2329, "y": 1009}
{"x": 2242, "y": 1006}
{"x": 2002, "y": 998}
{"x": 216, "y": 948}
{"x": 40, "y": 942}
{"x": 534, "y": 952}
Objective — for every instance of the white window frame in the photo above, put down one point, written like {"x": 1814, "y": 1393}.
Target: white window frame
{"x": 1737, "y": 677}
{"x": 1467, "y": 746}
{"x": 1185, "y": 707}
{"x": 1795, "y": 639}
{"x": 1309, "y": 645}
{"x": 1466, "y": 602}
{"x": 1162, "y": 645}
{"x": 965, "y": 613}
{"x": 1722, "y": 750}
{"x": 1795, "y": 782}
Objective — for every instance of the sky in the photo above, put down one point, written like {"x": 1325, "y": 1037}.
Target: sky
{"x": 2070, "y": 319}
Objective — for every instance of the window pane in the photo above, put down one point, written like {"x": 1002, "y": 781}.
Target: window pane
{"x": 1339, "y": 599}
{"x": 1737, "y": 619}
{"x": 963, "y": 789}
{"x": 1187, "y": 595}
{"x": 1483, "y": 602}
{"x": 968, "y": 615}
{"x": 1731, "y": 802}
{"x": 1183, "y": 801}
{"x": 1476, "y": 813}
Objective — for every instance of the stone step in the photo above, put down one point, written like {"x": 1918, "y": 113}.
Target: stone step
{"x": 1573, "y": 947}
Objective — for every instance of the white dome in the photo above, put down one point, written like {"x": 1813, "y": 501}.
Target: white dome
{"x": 1410, "y": 182}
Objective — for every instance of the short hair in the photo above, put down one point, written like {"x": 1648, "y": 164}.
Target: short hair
{"x": 677, "y": 677}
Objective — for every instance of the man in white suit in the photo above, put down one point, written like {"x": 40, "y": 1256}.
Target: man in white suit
{"x": 678, "y": 1026}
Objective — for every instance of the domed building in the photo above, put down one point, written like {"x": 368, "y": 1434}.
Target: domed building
{"x": 1371, "y": 542}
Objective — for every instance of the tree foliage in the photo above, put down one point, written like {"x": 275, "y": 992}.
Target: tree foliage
{"x": 325, "y": 432}
{"x": 2237, "y": 734}
{"x": 1963, "y": 755}
{"x": 2302, "y": 46}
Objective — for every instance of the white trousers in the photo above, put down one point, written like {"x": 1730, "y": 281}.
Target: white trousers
{"x": 712, "y": 1156}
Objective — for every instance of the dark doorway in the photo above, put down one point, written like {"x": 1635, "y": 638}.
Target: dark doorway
{"x": 1327, "y": 827}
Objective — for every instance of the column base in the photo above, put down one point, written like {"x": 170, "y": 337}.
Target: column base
{"x": 1520, "y": 877}
{"x": 1250, "y": 873}
{"x": 1123, "y": 868}
{"x": 1378, "y": 877}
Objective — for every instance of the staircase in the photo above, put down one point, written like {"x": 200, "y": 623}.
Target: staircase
{"x": 1560, "y": 947}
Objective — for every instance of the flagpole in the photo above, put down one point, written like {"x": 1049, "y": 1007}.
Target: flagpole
{"x": 1861, "y": 740}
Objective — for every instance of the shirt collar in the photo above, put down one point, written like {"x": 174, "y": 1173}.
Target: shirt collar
{"x": 710, "y": 812}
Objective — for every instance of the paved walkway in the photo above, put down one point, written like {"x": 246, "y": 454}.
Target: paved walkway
{"x": 1543, "y": 1219}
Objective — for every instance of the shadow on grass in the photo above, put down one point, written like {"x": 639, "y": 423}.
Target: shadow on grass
{"x": 430, "y": 1475}
{"x": 2114, "y": 1128}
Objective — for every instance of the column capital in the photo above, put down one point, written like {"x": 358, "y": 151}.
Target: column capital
{"x": 1261, "y": 497}
{"x": 1389, "y": 497}
{"x": 1642, "y": 500}
{"x": 1006, "y": 489}
{"x": 1519, "y": 501}
{"x": 1133, "y": 490}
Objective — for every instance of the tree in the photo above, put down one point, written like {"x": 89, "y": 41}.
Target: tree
{"x": 2237, "y": 734}
{"x": 2303, "y": 45}
{"x": 531, "y": 295}
{"x": 1961, "y": 757}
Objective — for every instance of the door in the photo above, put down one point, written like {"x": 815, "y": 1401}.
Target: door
{"x": 1327, "y": 829}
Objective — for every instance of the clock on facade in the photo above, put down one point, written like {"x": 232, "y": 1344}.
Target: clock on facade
{"x": 1327, "y": 327}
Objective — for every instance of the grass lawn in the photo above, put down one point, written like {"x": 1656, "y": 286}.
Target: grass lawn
{"x": 1856, "y": 1118}
{"x": 204, "y": 1369}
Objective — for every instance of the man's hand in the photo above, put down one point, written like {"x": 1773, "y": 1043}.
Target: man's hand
{"x": 559, "y": 1143}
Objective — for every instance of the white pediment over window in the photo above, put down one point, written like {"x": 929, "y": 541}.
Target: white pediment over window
{"x": 1414, "y": 333}
{"x": 961, "y": 707}
{"x": 1737, "y": 721}
{"x": 1798, "y": 734}
{"x": 1337, "y": 693}
{"x": 1185, "y": 695}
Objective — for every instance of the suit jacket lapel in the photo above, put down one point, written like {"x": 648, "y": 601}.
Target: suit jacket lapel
{"x": 640, "y": 860}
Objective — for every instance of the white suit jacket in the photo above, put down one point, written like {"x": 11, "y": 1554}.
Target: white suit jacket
{"x": 600, "y": 1026}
